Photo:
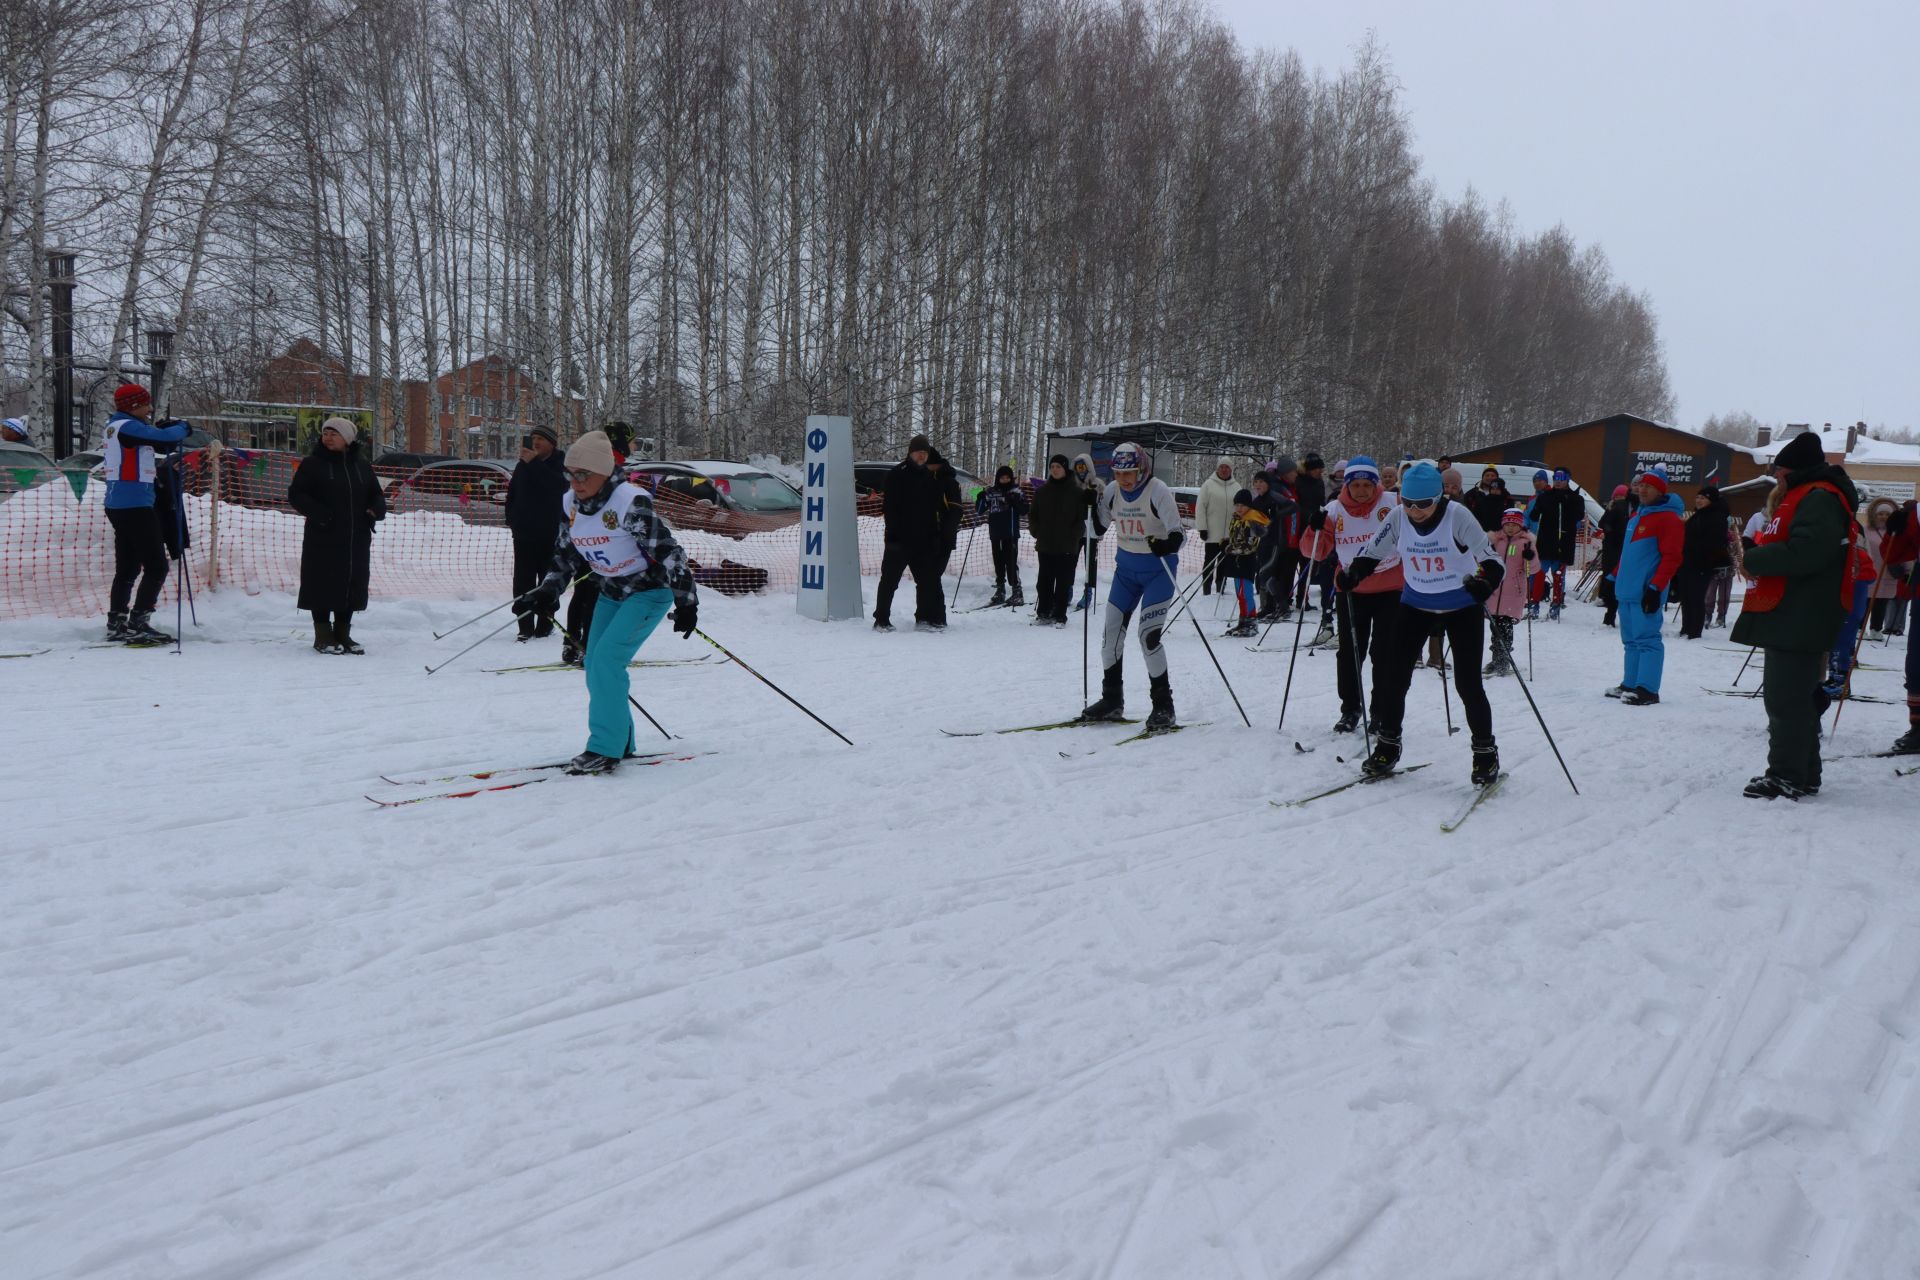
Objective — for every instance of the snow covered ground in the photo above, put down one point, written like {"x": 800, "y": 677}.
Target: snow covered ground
{"x": 933, "y": 1007}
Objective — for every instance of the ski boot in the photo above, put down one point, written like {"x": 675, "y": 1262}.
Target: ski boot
{"x": 1769, "y": 787}
{"x": 591, "y": 764}
{"x": 140, "y": 631}
{"x": 1533, "y": 611}
{"x": 999, "y": 597}
{"x": 879, "y": 624}
{"x": 117, "y": 626}
{"x": 1486, "y": 761}
{"x": 1086, "y": 598}
{"x": 1386, "y": 755}
{"x": 1347, "y": 723}
{"x": 1017, "y": 599}
{"x": 1553, "y": 614}
{"x": 1908, "y": 743}
{"x": 1160, "y": 719}
{"x": 1324, "y": 636}
{"x": 1111, "y": 704}
{"x": 323, "y": 638}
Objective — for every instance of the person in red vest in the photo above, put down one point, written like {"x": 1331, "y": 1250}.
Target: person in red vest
{"x": 1801, "y": 570}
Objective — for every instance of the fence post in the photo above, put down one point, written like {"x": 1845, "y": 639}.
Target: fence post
{"x": 212, "y": 575}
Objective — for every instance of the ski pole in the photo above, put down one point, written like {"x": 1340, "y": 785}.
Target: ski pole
{"x": 442, "y": 635}
{"x": 1287, "y": 693}
{"x": 1209, "y": 648}
{"x": 771, "y": 685}
{"x": 561, "y": 627}
{"x": 1359, "y": 678}
{"x": 1529, "y": 647}
{"x": 1743, "y": 666}
{"x": 1446, "y": 701}
{"x": 476, "y": 644}
{"x": 1086, "y": 615}
{"x": 1543, "y": 729}
{"x": 963, "y": 571}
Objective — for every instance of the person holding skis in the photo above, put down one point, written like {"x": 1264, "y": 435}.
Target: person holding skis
{"x": 1515, "y": 548}
{"x": 1003, "y": 503}
{"x": 1058, "y": 523}
{"x": 1649, "y": 558}
{"x": 1363, "y": 614}
{"x": 1144, "y": 516}
{"x": 609, "y": 528}
{"x": 1212, "y": 514}
{"x": 1241, "y": 560}
{"x": 139, "y": 549}
{"x": 337, "y": 492}
{"x": 1450, "y": 574}
{"x": 1800, "y": 574}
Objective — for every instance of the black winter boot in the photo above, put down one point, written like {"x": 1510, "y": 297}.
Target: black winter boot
{"x": 1347, "y": 723}
{"x": 1486, "y": 761}
{"x": 1111, "y": 704}
{"x": 140, "y": 630}
{"x": 1160, "y": 719}
{"x": 1386, "y": 755}
{"x": 1908, "y": 743}
{"x": 343, "y": 638}
{"x": 323, "y": 639}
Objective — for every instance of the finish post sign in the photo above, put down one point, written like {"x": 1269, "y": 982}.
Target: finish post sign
{"x": 829, "y": 537}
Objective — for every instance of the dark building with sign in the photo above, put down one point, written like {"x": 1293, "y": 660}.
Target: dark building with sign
{"x": 1607, "y": 451}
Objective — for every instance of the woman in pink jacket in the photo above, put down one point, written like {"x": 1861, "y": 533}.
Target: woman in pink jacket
{"x": 1515, "y": 547}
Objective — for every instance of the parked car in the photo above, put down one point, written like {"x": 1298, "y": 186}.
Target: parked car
{"x": 475, "y": 489}
{"x": 731, "y": 499}
{"x": 17, "y": 461}
{"x": 871, "y": 478}
{"x": 1520, "y": 485}
{"x": 393, "y": 465}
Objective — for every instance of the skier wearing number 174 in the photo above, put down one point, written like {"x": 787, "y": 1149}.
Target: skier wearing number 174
{"x": 608, "y": 527}
{"x": 1142, "y": 512}
{"x": 1450, "y": 572}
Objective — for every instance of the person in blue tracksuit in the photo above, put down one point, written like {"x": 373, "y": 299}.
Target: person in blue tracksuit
{"x": 1003, "y": 503}
{"x": 1145, "y": 518}
{"x": 139, "y": 548}
{"x": 1649, "y": 557}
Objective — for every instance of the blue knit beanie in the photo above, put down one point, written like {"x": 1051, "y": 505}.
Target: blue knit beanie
{"x": 1419, "y": 482}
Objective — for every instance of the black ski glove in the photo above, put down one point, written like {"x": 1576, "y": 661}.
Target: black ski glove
{"x": 542, "y": 600}
{"x": 1526, "y": 553}
{"x": 1318, "y": 520}
{"x": 1650, "y": 599}
{"x": 1169, "y": 545}
{"x": 1356, "y": 573}
{"x": 1896, "y": 523}
{"x": 685, "y": 618}
{"x": 1478, "y": 587}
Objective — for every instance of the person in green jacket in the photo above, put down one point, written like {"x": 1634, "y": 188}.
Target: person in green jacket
{"x": 1794, "y": 608}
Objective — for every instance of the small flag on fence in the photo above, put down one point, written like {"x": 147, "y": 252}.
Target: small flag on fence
{"x": 1713, "y": 474}
{"x": 23, "y": 476}
{"x": 78, "y": 479}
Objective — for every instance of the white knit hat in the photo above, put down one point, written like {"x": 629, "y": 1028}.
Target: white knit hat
{"x": 343, "y": 425}
{"x": 591, "y": 452}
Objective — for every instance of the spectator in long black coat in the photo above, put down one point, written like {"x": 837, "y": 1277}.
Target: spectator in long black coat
{"x": 336, "y": 490}
{"x": 1703, "y": 553}
{"x": 534, "y": 497}
{"x": 912, "y": 539}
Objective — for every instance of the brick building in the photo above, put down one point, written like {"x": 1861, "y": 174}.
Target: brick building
{"x": 479, "y": 410}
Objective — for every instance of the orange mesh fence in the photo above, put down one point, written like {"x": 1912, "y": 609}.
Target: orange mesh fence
{"x": 444, "y": 538}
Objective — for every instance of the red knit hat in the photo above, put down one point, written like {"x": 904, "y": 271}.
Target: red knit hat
{"x": 1655, "y": 477}
{"x": 131, "y": 396}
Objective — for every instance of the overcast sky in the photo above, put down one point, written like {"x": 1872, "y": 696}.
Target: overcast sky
{"x": 1754, "y": 167}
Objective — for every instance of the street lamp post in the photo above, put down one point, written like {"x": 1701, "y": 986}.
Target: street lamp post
{"x": 159, "y": 352}
{"x": 60, "y": 289}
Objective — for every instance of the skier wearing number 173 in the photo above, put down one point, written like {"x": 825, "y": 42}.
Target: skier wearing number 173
{"x": 1450, "y": 572}
{"x": 1143, "y": 514}
{"x": 608, "y": 527}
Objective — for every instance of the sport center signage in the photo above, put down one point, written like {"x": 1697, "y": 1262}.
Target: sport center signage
{"x": 1682, "y": 468}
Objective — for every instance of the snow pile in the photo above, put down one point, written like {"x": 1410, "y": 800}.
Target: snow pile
{"x": 1023, "y": 1005}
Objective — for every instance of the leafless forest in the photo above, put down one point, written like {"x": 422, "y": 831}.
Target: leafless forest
{"x": 981, "y": 220}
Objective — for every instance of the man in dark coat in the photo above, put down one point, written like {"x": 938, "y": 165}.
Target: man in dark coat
{"x": 1613, "y": 539}
{"x": 907, "y": 506}
{"x": 1557, "y": 513}
{"x": 336, "y": 490}
{"x": 534, "y": 496}
{"x": 1488, "y": 500}
{"x": 1793, "y": 610}
{"x": 930, "y": 611}
{"x": 1059, "y": 527}
{"x": 1703, "y": 553}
